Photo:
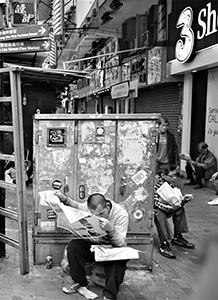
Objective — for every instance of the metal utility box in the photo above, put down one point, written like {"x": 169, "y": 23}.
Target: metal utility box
{"x": 83, "y": 154}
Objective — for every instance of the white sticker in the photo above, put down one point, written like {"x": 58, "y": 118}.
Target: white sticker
{"x": 82, "y": 160}
{"x": 47, "y": 226}
{"x": 139, "y": 177}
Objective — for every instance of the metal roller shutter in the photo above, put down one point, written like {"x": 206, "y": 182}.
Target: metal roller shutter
{"x": 163, "y": 100}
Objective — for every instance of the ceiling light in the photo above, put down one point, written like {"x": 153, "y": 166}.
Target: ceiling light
{"x": 115, "y": 5}
{"x": 106, "y": 18}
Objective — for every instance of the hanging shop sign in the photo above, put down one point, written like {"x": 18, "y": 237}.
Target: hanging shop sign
{"x": 120, "y": 90}
{"x": 154, "y": 65}
{"x": 84, "y": 87}
{"x": 98, "y": 77}
{"x": 112, "y": 71}
{"x": 126, "y": 71}
{"x": 23, "y": 12}
{"x": 194, "y": 26}
{"x": 139, "y": 69}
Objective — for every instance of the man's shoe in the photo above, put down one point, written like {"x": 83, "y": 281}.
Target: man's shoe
{"x": 165, "y": 250}
{"x": 71, "y": 288}
{"x": 198, "y": 186}
{"x": 213, "y": 202}
{"x": 189, "y": 183}
{"x": 180, "y": 241}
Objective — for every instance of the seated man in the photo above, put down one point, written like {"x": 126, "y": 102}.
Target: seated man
{"x": 163, "y": 211}
{"x": 203, "y": 167}
{"x": 215, "y": 200}
{"x": 113, "y": 219}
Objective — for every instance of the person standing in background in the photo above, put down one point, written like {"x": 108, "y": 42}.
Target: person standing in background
{"x": 167, "y": 149}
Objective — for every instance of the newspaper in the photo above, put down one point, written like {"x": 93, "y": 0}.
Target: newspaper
{"x": 108, "y": 252}
{"x": 170, "y": 195}
{"x": 81, "y": 223}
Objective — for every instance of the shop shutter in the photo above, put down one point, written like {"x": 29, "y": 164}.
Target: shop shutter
{"x": 163, "y": 100}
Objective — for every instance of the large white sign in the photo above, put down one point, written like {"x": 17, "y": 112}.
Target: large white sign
{"x": 120, "y": 90}
{"x": 211, "y": 129}
{"x": 207, "y": 21}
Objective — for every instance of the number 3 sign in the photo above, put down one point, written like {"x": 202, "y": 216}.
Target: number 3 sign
{"x": 184, "y": 46}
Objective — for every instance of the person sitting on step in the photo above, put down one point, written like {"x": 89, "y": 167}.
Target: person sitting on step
{"x": 163, "y": 211}
{"x": 204, "y": 166}
{"x": 114, "y": 220}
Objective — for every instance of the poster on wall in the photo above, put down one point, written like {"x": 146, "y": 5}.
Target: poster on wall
{"x": 211, "y": 130}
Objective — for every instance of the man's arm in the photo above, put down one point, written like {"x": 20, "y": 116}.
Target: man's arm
{"x": 206, "y": 164}
{"x": 70, "y": 202}
{"x": 116, "y": 235}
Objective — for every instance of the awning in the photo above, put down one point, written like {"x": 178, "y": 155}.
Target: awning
{"x": 58, "y": 77}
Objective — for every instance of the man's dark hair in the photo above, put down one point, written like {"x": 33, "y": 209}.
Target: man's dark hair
{"x": 95, "y": 199}
{"x": 163, "y": 120}
{"x": 203, "y": 145}
{"x": 163, "y": 171}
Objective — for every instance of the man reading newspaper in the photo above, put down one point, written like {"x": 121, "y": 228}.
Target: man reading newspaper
{"x": 168, "y": 204}
{"x": 113, "y": 219}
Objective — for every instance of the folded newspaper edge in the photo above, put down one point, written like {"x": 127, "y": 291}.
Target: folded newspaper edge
{"x": 107, "y": 253}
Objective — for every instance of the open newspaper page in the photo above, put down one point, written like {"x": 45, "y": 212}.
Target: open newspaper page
{"x": 170, "y": 195}
{"x": 80, "y": 223}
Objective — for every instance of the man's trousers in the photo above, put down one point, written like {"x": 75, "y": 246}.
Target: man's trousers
{"x": 163, "y": 227}
{"x": 78, "y": 253}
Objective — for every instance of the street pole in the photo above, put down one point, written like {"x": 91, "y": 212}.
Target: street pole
{"x": 2, "y": 190}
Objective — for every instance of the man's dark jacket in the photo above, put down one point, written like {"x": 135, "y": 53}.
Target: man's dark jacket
{"x": 172, "y": 150}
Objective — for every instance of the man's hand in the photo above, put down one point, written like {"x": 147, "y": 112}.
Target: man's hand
{"x": 187, "y": 198}
{"x": 105, "y": 225}
{"x": 214, "y": 176}
{"x": 175, "y": 206}
{"x": 61, "y": 196}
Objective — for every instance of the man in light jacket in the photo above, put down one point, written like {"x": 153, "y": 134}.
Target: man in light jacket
{"x": 113, "y": 219}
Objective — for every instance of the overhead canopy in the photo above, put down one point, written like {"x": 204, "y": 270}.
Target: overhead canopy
{"x": 37, "y": 76}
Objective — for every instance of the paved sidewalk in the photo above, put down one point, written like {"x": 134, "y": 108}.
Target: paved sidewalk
{"x": 170, "y": 279}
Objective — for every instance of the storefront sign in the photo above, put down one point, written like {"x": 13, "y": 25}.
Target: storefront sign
{"x": 193, "y": 27}
{"x": 120, "y": 90}
{"x": 84, "y": 87}
{"x": 23, "y": 12}
{"x": 126, "y": 68}
{"x": 211, "y": 129}
{"x": 139, "y": 70}
{"x": 112, "y": 71}
{"x": 154, "y": 65}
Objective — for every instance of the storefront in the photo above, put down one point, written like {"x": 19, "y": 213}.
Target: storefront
{"x": 193, "y": 52}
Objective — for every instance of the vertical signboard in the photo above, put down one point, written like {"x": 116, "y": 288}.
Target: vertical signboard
{"x": 154, "y": 65}
{"x": 211, "y": 129}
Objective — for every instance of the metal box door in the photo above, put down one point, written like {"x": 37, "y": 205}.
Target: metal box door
{"x": 54, "y": 153}
{"x": 117, "y": 158}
